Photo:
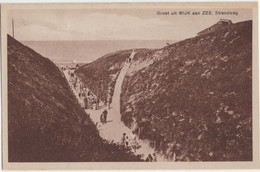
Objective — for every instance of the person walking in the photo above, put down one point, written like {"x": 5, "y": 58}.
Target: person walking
{"x": 131, "y": 56}
{"x": 154, "y": 157}
{"x": 126, "y": 141}
{"x": 128, "y": 59}
{"x": 149, "y": 158}
{"x": 105, "y": 115}
{"x": 86, "y": 103}
{"x": 123, "y": 139}
{"x": 97, "y": 105}
{"x": 108, "y": 101}
{"x": 102, "y": 118}
{"x": 133, "y": 141}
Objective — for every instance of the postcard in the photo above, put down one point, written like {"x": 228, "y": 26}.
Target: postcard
{"x": 130, "y": 86}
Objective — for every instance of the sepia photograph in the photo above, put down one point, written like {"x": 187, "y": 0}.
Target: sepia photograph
{"x": 149, "y": 85}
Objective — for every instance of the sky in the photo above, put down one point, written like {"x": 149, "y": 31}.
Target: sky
{"x": 112, "y": 24}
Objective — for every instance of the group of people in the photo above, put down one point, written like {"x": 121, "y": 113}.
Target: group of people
{"x": 130, "y": 142}
{"x": 88, "y": 100}
{"x": 151, "y": 158}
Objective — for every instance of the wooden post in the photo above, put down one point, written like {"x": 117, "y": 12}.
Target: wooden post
{"x": 13, "y": 26}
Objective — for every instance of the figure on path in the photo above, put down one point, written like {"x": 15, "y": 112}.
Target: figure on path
{"x": 86, "y": 103}
{"x": 133, "y": 141}
{"x": 149, "y": 158}
{"x": 154, "y": 157}
{"x": 105, "y": 115}
{"x": 109, "y": 92}
{"x": 126, "y": 141}
{"x": 97, "y": 104}
{"x": 102, "y": 118}
{"x": 123, "y": 139}
{"x": 131, "y": 56}
{"x": 108, "y": 104}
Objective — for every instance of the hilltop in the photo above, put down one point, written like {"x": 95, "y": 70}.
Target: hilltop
{"x": 45, "y": 121}
{"x": 192, "y": 98}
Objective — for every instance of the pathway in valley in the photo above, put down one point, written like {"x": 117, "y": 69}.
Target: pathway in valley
{"x": 114, "y": 128}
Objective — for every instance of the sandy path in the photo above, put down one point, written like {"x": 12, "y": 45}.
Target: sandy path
{"x": 114, "y": 128}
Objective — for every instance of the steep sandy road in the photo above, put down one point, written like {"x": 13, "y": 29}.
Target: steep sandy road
{"x": 114, "y": 128}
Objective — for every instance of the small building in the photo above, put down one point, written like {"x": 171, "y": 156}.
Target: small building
{"x": 222, "y": 23}
{"x": 225, "y": 22}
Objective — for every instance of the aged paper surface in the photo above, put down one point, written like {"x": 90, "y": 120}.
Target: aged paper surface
{"x": 130, "y": 86}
